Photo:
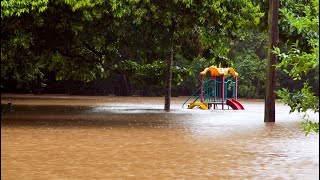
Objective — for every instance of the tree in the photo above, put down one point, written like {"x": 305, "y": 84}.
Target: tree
{"x": 302, "y": 58}
{"x": 84, "y": 40}
{"x": 249, "y": 60}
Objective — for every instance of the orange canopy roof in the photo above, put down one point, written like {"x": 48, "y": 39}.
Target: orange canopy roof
{"x": 218, "y": 71}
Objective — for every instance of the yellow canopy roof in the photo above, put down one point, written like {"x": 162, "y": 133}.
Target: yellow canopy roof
{"x": 218, "y": 71}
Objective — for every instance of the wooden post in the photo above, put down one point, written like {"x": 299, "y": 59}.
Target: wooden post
{"x": 215, "y": 91}
{"x": 215, "y": 88}
{"x": 222, "y": 92}
{"x": 201, "y": 88}
{"x": 273, "y": 30}
{"x": 236, "y": 89}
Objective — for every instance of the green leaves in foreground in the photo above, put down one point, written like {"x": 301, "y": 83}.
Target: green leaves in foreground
{"x": 309, "y": 126}
{"x": 302, "y": 59}
{"x": 300, "y": 101}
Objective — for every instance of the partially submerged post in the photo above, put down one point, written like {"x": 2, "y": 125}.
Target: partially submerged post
{"x": 269, "y": 113}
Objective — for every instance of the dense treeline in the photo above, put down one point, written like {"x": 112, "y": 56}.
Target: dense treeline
{"x": 248, "y": 57}
{"x": 122, "y": 47}
{"x": 126, "y": 43}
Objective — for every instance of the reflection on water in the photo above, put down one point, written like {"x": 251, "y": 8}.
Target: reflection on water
{"x": 77, "y": 137}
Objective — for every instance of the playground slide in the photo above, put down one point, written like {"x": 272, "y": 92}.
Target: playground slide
{"x": 238, "y": 103}
{"x": 234, "y": 104}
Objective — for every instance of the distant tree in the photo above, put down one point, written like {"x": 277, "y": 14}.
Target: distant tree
{"x": 249, "y": 60}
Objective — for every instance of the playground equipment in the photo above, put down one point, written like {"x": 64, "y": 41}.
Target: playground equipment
{"x": 216, "y": 90}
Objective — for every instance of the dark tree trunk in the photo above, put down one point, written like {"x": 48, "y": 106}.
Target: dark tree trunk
{"x": 124, "y": 89}
{"x": 126, "y": 85}
{"x": 256, "y": 94}
{"x": 168, "y": 80}
{"x": 269, "y": 114}
{"x": 167, "y": 97}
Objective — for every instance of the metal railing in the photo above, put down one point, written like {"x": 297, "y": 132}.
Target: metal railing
{"x": 212, "y": 91}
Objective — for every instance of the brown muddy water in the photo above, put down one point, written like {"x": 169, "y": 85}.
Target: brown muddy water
{"x": 96, "y": 137}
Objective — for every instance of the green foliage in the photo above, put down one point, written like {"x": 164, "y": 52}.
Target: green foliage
{"x": 301, "y": 59}
{"x": 252, "y": 75}
{"x": 249, "y": 56}
{"x": 146, "y": 74}
{"x": 300, "y": 101}
{"x": 220, "y": 34}
{"x": 309, "y": 126}
{"x": 296, "y": 63}
{"x": 298, "y": 21}
{"x": 87, "y": 39}
{"x": 19, "y": 7}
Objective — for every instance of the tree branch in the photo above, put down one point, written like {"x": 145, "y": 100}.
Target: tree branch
{"x": 97, "y": 53}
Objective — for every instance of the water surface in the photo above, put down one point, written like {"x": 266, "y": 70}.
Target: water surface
{"x": 91, "y": 137}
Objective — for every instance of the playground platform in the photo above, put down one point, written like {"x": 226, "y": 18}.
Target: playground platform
{"x": 216, "y": 90}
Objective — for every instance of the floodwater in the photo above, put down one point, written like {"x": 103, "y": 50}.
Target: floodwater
{"x": 96, "y": 137}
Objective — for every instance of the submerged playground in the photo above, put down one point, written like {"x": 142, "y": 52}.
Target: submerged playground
{"x": 216, "y": 89}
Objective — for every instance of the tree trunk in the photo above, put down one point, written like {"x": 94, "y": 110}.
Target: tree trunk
{"x": 126, "y": 90}
{"x": 167, "y": 97}
{"x": 256, "y": 94}
{"x": 269, "y": 114}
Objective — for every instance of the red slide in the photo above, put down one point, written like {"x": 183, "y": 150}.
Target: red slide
{"x": 238, "y": 103}
{"x": 234, "y": 104}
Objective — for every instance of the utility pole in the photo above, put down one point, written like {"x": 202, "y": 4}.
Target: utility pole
{"x": 273, "y": 31}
